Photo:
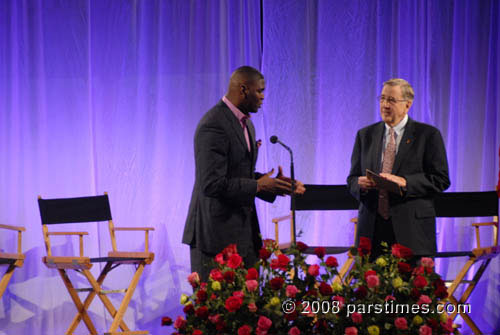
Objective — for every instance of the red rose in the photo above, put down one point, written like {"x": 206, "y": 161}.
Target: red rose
{"x": 233, "y": 304}
{"x": 332, "y": 262}
{"x": 219, "y": 258}
{"x": 372, "y": 281}
{"x": 194, "y": 279}
{"x": 433, "y": 323}
{"x": 188, "y": 309}
{"x": 281, "y": 262}
{"x": 216, "y": 275}
{"x": 415, "y": 293}
{"x": 245, "y": 330}
{"x": 313, "y": 270}
{"x": 201, "y": 295}
{"x": 301, "y": 246}
{"x": 180, "y": 323}
{"x": 401, "y": 323}
{"x": 229, "y": 276}
{"x": 229, "y": 251}
{"x": 239, "y": 294}
{"x": 320, "y": 252}
{"x": 252, "y": 274}
{"x": 404, "y": 267}
{"x": 365, "y": 246}
{"x": 361, "y": 292}
{"x": 420, "y": 282}
{"x": 264, "y": 323}
{"x": 441, "y": 292}
{"x": 202, "y": 312}
{"x": 234, "y": 261}
{"x": 166, "y": 321}
{"x": 197, "y": 332}
{"x": 370, "y": 273}
{"x": 325, "y": 289}
{"x": 312, "y": 292}
{"x": 294, "y": 331}
{"x": 292, "y": 316}
{"x": 356, "y": 317}
{"x": 401, "y": 251}
{"x": 438, "y": 282}
{"x": 276, "y": 283}
{"x": 264, "y": 254}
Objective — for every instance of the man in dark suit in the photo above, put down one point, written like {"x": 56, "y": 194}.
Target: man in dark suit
{"x": 409, "y": 153}
{"x": 222, "y": 208}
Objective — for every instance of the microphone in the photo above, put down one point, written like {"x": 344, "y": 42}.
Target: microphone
{"x": 274, "y": 139}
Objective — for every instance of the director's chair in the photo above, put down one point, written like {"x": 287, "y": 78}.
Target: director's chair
{"x": 469, "y": 204}
{"x": 11, "y": 260}
{"x": 92, "y": 209}
{"x": 322, "y": 197}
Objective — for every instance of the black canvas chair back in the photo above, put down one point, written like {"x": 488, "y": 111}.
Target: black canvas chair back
{"x": 72, "y": 210}
{"x": 326, "y": 197}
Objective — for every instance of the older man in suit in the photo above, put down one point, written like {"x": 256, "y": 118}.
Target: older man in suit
{"x": 222, "y": 208}
{"x": 408, "y": 153}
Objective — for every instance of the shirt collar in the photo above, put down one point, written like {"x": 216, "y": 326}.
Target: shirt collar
{"x": 239, "y": 114}
{"x": 399, "y": 127}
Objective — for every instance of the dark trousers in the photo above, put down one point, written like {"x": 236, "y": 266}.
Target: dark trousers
{"x": 203, "y": 262}
{"x": 384, "y": 232}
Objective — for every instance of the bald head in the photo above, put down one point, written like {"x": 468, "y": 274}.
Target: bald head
{"x": 246, "y": 89}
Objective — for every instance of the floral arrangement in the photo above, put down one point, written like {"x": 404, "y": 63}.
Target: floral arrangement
{"x": 285, "y": 295}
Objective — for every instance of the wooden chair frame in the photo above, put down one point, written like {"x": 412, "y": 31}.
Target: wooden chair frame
{"x": 11, "y": 260}
{"x": 82, "y": 264}
{"x": 469, "y": 204}
{"x": 322, "y": 197}
{"x": 449, "y": 204}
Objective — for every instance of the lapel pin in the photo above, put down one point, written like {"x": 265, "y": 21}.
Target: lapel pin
{"x": 408, "y": 141}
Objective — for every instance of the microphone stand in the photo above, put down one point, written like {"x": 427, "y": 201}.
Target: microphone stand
{"x": 292, "y": 175}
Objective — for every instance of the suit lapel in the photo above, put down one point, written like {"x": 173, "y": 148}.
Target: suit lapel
{"x": 235, "y": 125}
{"x": 378, "y": 137}
{"x": 253, "y": 143}
{"x": 404, "y": 145}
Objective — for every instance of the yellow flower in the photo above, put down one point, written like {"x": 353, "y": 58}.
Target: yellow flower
{"x": 216, "y": 286}
{"x": 443, "y": 317}
{"x": 336, "y": 287}
{"x": 417, "y": 320}
{"x": 275, "y": 301}
{"x": 184, "y": 299}
{"x": 373, "y": 330}
{"x": 397, "y": 282}
{"x": 381, "y": 261}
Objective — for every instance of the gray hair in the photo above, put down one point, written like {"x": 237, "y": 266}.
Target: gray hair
{"x": 406, "y": 88}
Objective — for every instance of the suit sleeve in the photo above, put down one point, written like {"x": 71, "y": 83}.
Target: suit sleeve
{"x": 434, "y": 177}
{"x": 212, "y": 165}
{"x": 266, "y": 196}
{"x": 355, "y": 172}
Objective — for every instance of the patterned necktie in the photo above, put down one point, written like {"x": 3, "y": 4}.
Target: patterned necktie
{"x": 389, "y": 156}
{"x": 245, "y": 131}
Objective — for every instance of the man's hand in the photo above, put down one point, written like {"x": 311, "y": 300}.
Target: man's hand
{"x": 398, "y": 180}
{"x": 365, "y": 183}
{"x": 273, "y": 185}
{"x": 299, "y": 186}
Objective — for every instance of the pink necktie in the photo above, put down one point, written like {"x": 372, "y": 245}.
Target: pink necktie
{"x": 245, "y": 131}
{"x": 389, "y": 156}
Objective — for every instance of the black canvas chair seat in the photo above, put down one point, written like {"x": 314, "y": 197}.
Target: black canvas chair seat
{"x": 92, "y": 209}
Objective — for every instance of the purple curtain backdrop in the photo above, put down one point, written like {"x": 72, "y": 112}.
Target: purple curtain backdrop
{"x": 102, "y": 96}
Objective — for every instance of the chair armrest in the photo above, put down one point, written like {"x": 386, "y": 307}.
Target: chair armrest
{"x": 133, "y": 228}
{"x": 67, "y": 233}
{"x": 12, "y": 227}
{"x": 480, "y": 224}
{"x": 282, "y": 218}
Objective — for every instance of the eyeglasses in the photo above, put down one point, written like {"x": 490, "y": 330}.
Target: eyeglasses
{"x": 390, "y": 100}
